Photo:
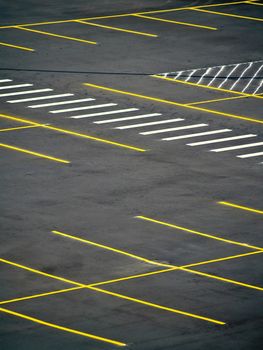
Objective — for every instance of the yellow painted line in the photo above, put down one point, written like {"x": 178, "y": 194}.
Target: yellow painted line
{"x": 241, "y": 207}
{"x": 56, "y": 35}
{"x": 228, "y": 14}
{"x": 197, "y": 232}
{"x": 207, "y": 87}
{"x": 61, "y": 328}
{"x": 216, "y": 100}
{"x": 176, "y": 22}
{"x": 253, "y": 3}
{"x": 73, "y": 133}
{"x": 17, "y": 47}
{"x": 109, "y": 248}
{"x": 251, "y": 286}
{"x": 40, "y": 155}
{"x": 143, "y": 302}
{"x": 115, "y": 28}
{"x": 21, "y": 127}
{"x": 175, "y": 103}
{"x": 139, "y": 301}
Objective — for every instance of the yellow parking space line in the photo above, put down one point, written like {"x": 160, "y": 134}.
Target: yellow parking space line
{"x": 17, "y": 47}
{"x": 253, "y": 3}
{"x": 175, "y": 22}
{"x": 227, "y": 14}
{"x": 61, "y": 328}
{"x": 56, "y": 35}
{"x": 119, "y": 251}
{"x": 216, "y": 100}
{"x": 21, "y": 128}
{"x": 229, "y": 115}
{"x": 251, "y": 286}
{"x": 157, "y": 306}
{"x": 115, "y": 28}
{"x": 40, "y": 155}
{"x": 207, "y": 87}
{"x": 73, "y": 133}
{"x": 111, "y": 293}
{"x": 241, "y": 207}
{"x": 163, "y": 223}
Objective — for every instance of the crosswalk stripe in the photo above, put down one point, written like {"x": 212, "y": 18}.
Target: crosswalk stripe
{"x": 39, "y": 98}
{"x": 196, "y": 135}
{"x": 127, "y": 118}
{"x": 83, "y": 108}
{"x": 25, "y": 92}
{"x": 14, "y": 86}
{"x": 173, "y": 129}
{"x": 225, "y": 149}
{"x": 250, "y": 155}
{"x": 5, "y": 80}
{"x": 116, "y": 111}
{"x": 150, "y": 123}
{"x": 60, "y": 103}
{"x": 221, "y": 140}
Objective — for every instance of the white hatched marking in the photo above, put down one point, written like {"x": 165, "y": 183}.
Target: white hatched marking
{"x": 221, "y": 140}
{"x": 250, "y": 155}
{"x": 14, "y": 86}
{"x": 105, "y": 113}
{"x": 217, "y": 74}
{"x": 196, "y": 135}
{"x": 25, "y": 92}
{"x": 259, "y": 86}
{"x": 39, "y": 98}
{"x": 150, "y": 123}
{"x": 83, "y": 108}
{"x": 225, "y": 149}
{"x": 127, "y": 118}
{"x": 60, "y": 103}
{"x": 254, "y": 76}
{"x": 178, "y": 75}
{"x": 5, "y": 80}
{"x": 173, "y": 129}
{"x": 243, "y": 73}
{"x": 191, "y": 74}
{"x": 228, "y": 76}
{"x": 205, "y": 73}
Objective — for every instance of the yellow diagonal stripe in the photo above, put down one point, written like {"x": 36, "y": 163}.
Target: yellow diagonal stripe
{"x": 228, "y": 14}
{"x": 16, "y": 47}
{"x": 241, "y": 207}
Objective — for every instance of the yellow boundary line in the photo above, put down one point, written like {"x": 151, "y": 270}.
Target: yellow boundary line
{"x": 241, "y": 207}
{"x": 216, "y": 100}
{"x": 40, "y": 155}
{"x": 21, "y": 127}
{"x": 176, "y": 22}
{"x": 73, "y": 133}
{"x": 61, "y": 328}
{"x": 175, "y": 103}
{"x": 17, "y": 47}
{"x": 227, "y": 14}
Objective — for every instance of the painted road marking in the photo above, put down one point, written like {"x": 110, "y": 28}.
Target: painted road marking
{"x": 221, "y": 140}
{"x": 173, "y": 129}
{"x": 61, "y": 103}
{"x": 25, "y": 92}
{"x": 17, "y": 47}
{"x": 148, "y": 124}
{"x": 225, "y": 149}
{"x": 55, "y": 35}
{"x": 250, "y": 155}
{"x": 40, "y": 155}
{"x": 241, "y": 207}
{"x": 14, "y": 86}
{"x": 116, "y": 111}
{"x": 228, "y": 14}
{"x": 83, "y": 108}
{"x": 61, "y": 328}
{"x": 142, "y": 116}
{"x": 21, "y": 127}
{"x": 39, "y": 98}
{"x": 5, "y": 80}
{"x": 197, "y": 134}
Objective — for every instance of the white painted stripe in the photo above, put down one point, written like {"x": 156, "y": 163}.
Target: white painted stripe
{"x": 225, "y": 149}
{"x": 177, "y": 75}
{"x": 250, "y": 81}
{"x": 5, "y": 80}
{"x": 205, "y": 73}
{"x": 197, "y": 134}
{"x": 228, "y": 76}
{"x": 127, "y": 118}
{"x": 60, "y": 103}
{"x": 173, "y": 129}
{"x": 116, "y": 111}
{"x": 83, "y": 108}
{"x": 243, "y": 73}
{"x": 25, "y": 92}
{"x": 147, "y": 124}
{"x": 191, "y": 74}
{"x": 251, "y": 155}
{"x": 14, "y": 86}
{"x": 221, "y": 140}
{"x": 217, "y": 74}
{"x": 259, "y": 86}
{"x": 39, "y": 98}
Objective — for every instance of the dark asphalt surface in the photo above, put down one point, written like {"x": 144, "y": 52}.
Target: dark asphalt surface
{"x": 99, "y": 194}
